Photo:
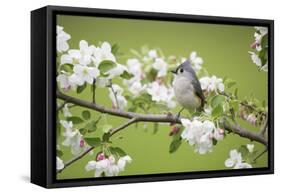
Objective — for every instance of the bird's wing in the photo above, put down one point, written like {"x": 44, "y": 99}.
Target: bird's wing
{"x": 198, "y": 91}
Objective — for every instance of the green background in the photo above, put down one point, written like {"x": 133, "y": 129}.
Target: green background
{"x": 224, "y": 49}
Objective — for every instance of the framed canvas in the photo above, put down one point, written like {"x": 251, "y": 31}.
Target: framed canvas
{"x": 126, "y": 96}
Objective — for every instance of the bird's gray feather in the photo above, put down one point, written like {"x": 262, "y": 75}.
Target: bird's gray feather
{"x": 195, "y": 83}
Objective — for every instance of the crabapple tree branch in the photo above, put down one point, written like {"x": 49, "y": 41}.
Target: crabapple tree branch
{"x": 162, "y": 118}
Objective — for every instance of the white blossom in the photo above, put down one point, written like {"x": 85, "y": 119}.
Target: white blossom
{"x": 262, "y": 30}
{"x": 116, "y": 71}
{"x": 102, "y": 82}
{"x": 136, "y": 88}
{"x": 250, "y": 147}
{"x": 152, "y": 54}
{"x": 235, "y": 160}
{"x": 62, "y": 38}
{"x": 66, "y": 112}
{"x": 212, "y": 84}
{"x": 251, "y": 118}
{"x": 195, "y": 61}
{"x": 103, "y": 53}
{"x": 161, "y": 66}
{"x": 108, "y": 166}
{"x": 64, "y": 82}
{"x": 59, "y": 164}
{"x": 161, "y": 93}
{"x": 82, "y": 56}
{"x": 200, "y": 134}
{"x": 115, "y": 94}
{"x": 73, "y": 138}
{"x": 84, "y": 74}
{"x": 135, "y": 68}
{"x": 255, "y": 58}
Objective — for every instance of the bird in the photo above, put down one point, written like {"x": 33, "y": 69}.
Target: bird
{"x": 187, "y": 88}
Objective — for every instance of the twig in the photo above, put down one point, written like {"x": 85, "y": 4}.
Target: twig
{"x": 61, "y": 106}
{"x": 258, "y": 156}
{"x": 114, "y": 93}
{"x": 264, "y": 127}
{"x": 94, "y": 91}
{"x": 115, "y": 130}
{"x": 75, "y": 159}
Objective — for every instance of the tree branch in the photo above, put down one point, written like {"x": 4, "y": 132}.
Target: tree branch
{"x": 138, "y": 117}
{"x": 61, "y": 106}
{"x": 264, "y": 127}
{"x": 163, "y": 118}
{"x": 114, "y": 93}
{"x": 237, "y": 129}
{"x": 94, "y": 91}
{"x": 115, "y": 130}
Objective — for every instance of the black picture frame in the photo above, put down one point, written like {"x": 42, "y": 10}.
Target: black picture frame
{"x": 43, "y": 95}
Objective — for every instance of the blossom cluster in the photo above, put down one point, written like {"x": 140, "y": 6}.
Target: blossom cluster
{"x": 201, "y": 135}
{"x": 235, "y": 160}
{"x": 211, "y": 84}
{"x": 259, "y": 57}
{"x": 73, "y": 138}
{"x": 108, "y": 166}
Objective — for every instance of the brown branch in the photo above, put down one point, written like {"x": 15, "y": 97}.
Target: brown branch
{"x": 61, "y": 106}
{"x": 264, "y": 127}
{"x": 115, "y": 130}
{"x": 237, "y": 129}
{"x": 114, "y": 93}
{"x": 163, "y": 118}
{"x": 138, "y": 117}
{"x": 262, "y": 153}
{"x": 94, "y": 91}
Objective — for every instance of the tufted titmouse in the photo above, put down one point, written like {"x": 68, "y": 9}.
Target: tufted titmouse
{"x": 187, "y": 88}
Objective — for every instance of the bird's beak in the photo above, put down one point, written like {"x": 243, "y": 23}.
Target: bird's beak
{"x": 173, "y": 71}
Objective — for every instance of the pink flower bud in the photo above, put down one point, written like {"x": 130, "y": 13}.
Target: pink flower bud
{"x": 100, "y": 156}
{"x": 82, "y": 143}
{"x": 174, "y": 130}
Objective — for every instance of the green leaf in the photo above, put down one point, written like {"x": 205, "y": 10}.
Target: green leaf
{"x": 126, "y": 75}
{"x": 235, "y": 105}
{"x": 86, "y": 114}
{"x": 83, "y": 131}
{"x": 155, "y": 128}
{"x": 106, "y": 128}
{"x": 59, "y": 153}
{"x": 229, "y": 83}
{"x": 118, "y": 151}
{"x": 106, "y": 137}
{"x": 114, "y": 49}
{"x": 244, "y": 151}
{"x": 175, "y": 144}
{"x": 93, "y": 141}
{"x": 66, "y": 67}
{"x": 215, "y": 142}
{"x": 217, "y": 111}
{"x": 217, "y": 100}
{"x": 91, "y": 126}
{"x": 106, "y": 65}
{"x": 81, "y": 88}
{"x": 75, "y": 120}
{"x": 236, "y": 93}
{"x": 136, "y": 53}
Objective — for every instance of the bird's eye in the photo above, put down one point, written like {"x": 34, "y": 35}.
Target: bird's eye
{"x": 181, "y": 70}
